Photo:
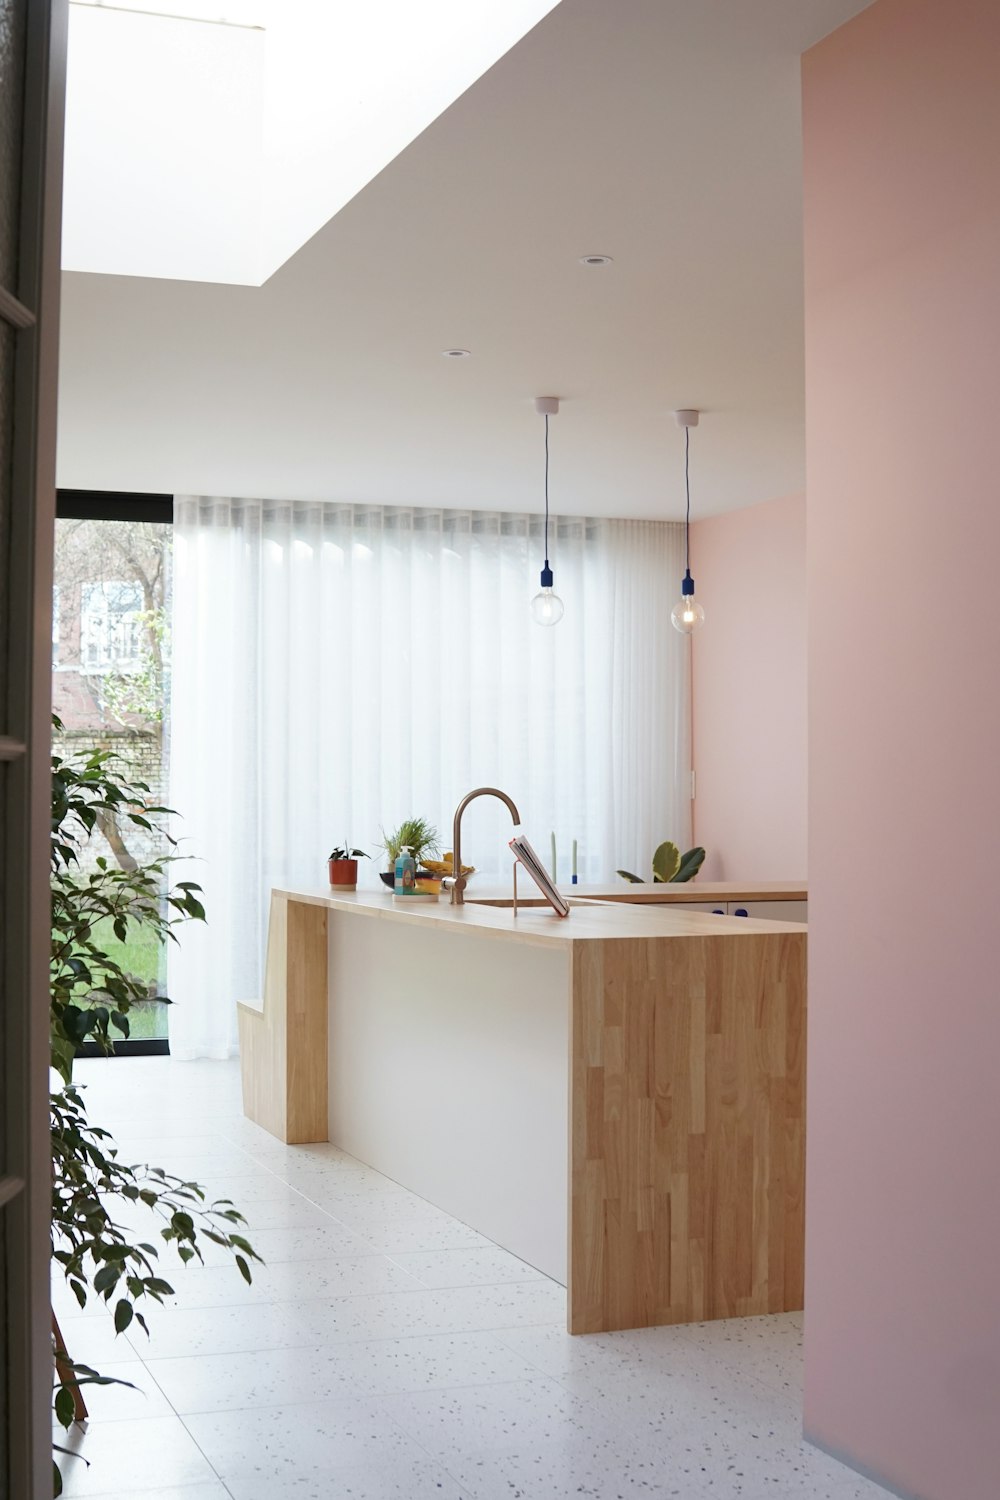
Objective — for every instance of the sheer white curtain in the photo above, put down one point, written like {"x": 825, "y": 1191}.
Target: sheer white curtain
{"x": 337, "y": 669}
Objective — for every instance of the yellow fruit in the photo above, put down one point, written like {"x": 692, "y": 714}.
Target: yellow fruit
{"x": 445, "y": 866}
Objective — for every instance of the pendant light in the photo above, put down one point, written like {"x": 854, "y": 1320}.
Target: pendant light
{"x": 547, "y": 607}
{"x": 687, "y": 614}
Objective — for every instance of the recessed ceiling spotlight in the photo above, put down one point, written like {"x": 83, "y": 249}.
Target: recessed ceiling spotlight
{"x": 456, "y": 353}
{"x": 595, "y": 260}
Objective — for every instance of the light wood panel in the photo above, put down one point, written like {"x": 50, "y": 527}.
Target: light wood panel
{"x": 687, "y": 1120}
{"x": 283, "y": 1045}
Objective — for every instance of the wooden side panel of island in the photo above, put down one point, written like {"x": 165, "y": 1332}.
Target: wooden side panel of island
{"x": 283, "y": 1051}
{"x": 687, "y": 1130}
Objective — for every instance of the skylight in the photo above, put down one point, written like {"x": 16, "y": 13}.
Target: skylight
{"x": 249, "y": 13}
{"x": 212, "y": 152}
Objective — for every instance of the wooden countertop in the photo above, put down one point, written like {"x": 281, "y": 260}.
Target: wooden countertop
{"x": 695, "y": 890}
{"x": 589, "y": 921}
{"x": 661, "y": 893}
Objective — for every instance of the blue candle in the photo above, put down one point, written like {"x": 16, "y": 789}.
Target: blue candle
{"x": 574, "y": 862}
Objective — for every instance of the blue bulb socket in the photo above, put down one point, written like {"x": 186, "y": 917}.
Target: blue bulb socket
{"x": 546, "y": 576}
{"x": 687, "y": 584}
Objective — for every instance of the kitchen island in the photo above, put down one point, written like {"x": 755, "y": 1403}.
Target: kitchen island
{"x": 617, "y": 1097}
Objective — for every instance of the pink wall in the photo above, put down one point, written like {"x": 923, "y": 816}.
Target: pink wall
{"x": 749, "y": 692}
{"x": 902, "y": 213}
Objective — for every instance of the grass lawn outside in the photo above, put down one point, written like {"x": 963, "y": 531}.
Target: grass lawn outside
{"x": 142, "y": 955}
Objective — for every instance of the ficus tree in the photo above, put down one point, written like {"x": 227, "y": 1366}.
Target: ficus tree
{"x": 91, "y": 994}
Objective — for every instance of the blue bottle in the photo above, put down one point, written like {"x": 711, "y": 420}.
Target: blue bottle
{"x": 405, "y": 876}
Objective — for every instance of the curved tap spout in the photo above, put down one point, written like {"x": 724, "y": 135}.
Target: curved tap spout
{"x": 458, "y": 884}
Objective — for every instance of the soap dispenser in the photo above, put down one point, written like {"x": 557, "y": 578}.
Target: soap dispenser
{"x": 405, "y": 876}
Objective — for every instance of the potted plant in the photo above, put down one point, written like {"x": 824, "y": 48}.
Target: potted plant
{"x": 94, "y": 914}
{"x": 343, "y": 866}
{"x": 670, "y": 865}
{"x": 415, "y": 834}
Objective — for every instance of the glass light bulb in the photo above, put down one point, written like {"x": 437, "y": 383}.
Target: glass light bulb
{"x": 547, "y": 607}
{"x": 687, "y": 614}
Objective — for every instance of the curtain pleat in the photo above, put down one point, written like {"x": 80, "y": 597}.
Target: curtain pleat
{"x": 339, "y": 668}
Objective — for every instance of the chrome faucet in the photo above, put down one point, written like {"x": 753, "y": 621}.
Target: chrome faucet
{"x": 458, "y": 883}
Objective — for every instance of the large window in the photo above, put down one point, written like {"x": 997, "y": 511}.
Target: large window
{"x": 111, "y": 685}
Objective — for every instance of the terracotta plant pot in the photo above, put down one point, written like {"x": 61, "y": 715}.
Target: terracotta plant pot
{"x": 344, "y": 874}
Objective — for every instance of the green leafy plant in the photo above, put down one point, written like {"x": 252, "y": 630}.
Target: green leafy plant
{"x": 91, "y": 992}
{"x": 347, "y": 852}
{"x": 415, "y": 834}
{"x": 670, "y": 865}
{"x": 90, "y": 989}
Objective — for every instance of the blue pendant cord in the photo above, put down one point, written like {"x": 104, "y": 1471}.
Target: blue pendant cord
{"x": 687, "y": 487}
{"x": 546, "y": 489}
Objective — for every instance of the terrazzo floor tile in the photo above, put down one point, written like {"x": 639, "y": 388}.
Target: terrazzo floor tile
{"x": 652, "y": 1408}
{"x": 256, "y": 1187}
{"x": 298, "y": 1214}
{"x": 64, "y": 1303}
{"x": 452, "y": 1423}
{"x": 389, "y": 1352}
{"x": 93, "y": 1341}
{"x": 577, "y": 1467}
{"x": 561, "y": 1354}
{"x": 133, "y": 1458}
{"x": 263, "y": 1146}
{"x": 290, "y": 1242}
{"x": 294, "y": 1212}
{"x": 382, "y": 1481}
{"x": 215, "y": 1382}
{"x": 755, "y": 1459}
{"x": 302, "y": 1442}
{"x": 372, "y": 1212}
{"x": 458, "y": 1310}
{"x": 222, "y": 1330}
{"x": 192, "y": 1166}
{"x": 454, "y": 1268}
{"x": 770, "y": 1348}
{"x": 339, "y": 1175}
{"x": 141, "y": 1146}
{"x": 291, "y": 1281}
{"x": 139, "y": 1397}
{"x": 423, "y": 1235}
{"x": 213, "y": 1491}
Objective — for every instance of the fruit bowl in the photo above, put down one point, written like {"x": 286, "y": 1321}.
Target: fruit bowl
{"x": 445, "y": 867}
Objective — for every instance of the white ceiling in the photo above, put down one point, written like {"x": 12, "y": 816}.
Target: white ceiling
{"x": 662, "y": 132}
{"x": 258, "y": 134}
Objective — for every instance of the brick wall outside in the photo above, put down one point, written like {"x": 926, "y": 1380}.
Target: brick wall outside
{"x": 143, "y": 758}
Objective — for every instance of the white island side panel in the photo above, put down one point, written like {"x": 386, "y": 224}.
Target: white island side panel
{"x": 449, "y": 1072}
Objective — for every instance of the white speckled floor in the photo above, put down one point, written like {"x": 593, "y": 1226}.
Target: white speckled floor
{"x": 387, "y": 1352}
